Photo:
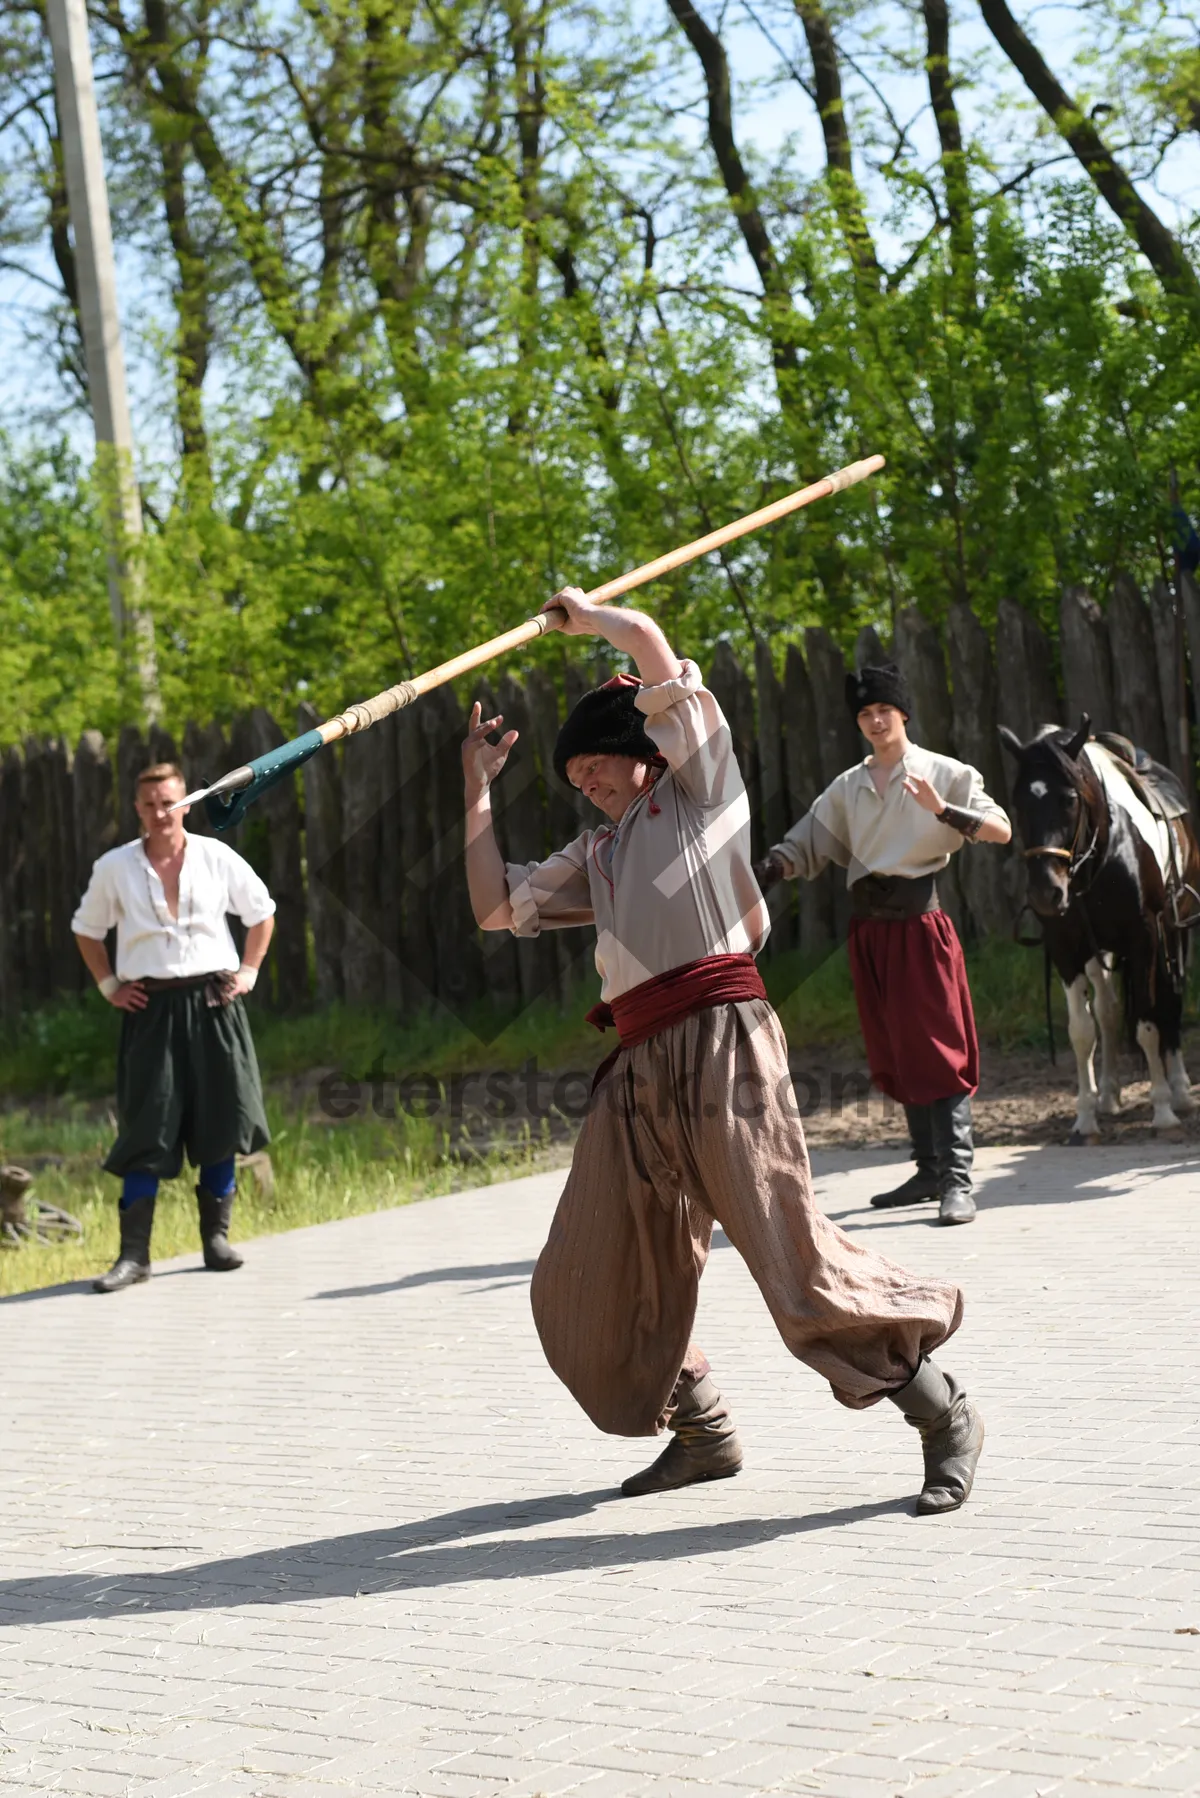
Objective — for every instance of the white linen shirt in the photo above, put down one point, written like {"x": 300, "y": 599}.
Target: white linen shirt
{"x": 672, "y": 883}
{"x": 867, "y": 832}
{"x": 126, "y": 891}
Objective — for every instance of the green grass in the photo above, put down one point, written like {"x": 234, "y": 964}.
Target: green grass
{"x": 322, "y": 1170}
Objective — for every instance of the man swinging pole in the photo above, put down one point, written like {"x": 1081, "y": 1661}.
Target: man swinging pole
{"x": 693, "y": 1120}
{"x": 893, "y": 821}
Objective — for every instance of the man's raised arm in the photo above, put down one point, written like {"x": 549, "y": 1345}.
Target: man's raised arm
{"x": 632, "y": 633}
{"x": 486, "y": 881}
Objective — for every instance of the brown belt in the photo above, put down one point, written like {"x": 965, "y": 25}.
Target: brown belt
{"x": 893, "y": 896}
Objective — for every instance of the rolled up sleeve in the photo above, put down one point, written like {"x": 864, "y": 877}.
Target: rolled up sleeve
{"x": 821, "y": 836}
{"x": 967, "y": 790}
{"x": 97, "y": 912}
{"x": 691, "y": 733}
{"x": 249, "y": 899}
{"x": 551, "y": 895}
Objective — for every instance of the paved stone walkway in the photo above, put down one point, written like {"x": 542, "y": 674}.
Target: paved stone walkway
{"x": 330, "y": 1526}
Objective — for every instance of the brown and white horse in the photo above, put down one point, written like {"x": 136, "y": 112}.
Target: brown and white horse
{"x": 1114, "y": 884}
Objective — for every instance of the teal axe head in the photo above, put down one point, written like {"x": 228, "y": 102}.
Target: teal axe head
{"x": 225, "y": 811}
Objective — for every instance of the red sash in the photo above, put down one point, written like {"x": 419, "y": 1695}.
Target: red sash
{"x": 646, "y": 1010}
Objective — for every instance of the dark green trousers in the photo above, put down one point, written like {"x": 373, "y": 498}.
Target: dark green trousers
{"x": 187, "y": 1080}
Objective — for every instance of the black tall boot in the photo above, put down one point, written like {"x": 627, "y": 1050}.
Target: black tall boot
{"x": 924, "y": 1183}
{"x": 132, "y": 1264}
{"x": 954, "y": 1146}
{"x": 705, "y": 1443}
{"x": 215, "y": 1216}
{"x": 951, "y": 1435}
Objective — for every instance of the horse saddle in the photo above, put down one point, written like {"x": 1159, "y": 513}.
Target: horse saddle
{"x": 1159, "y": 790}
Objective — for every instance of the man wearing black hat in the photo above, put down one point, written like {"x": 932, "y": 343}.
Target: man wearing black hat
{"x": 693, "y": 1118}
{"x": 893, "y": 822}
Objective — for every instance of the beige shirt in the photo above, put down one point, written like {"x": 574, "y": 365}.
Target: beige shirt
{"x": 126, "y": 890}
{"x": 673, "y": 881}
{"x": 866, "y": 832}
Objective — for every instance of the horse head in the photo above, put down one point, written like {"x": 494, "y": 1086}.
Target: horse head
{"x": 1058, "y": 807}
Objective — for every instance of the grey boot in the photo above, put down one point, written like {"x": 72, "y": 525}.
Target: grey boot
{"x": 924, "y": 1183}
{"x": 954, "y": 1147}
{"x": 132, "y": 1264}
{"x": 215, "y": 1216}
{"x": 705, "y": 1445}
{"x": 951, "y": 1436}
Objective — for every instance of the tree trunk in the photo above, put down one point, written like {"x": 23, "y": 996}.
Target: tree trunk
{"x": 1162, "y": 250}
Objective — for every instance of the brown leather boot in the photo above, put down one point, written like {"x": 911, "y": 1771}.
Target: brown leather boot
{"x": 951, "y": 1431}
{"x": 704, "y": 1444}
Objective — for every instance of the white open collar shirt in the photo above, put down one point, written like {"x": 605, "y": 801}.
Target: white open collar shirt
{"x": 127, "y": 892}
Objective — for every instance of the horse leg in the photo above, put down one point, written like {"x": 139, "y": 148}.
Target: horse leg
{"x": 1160, "y": 1091}
{"x": 1179, "y": 1080}
{"x": 1172, "y": 973}
{"x": 1107, "y": 1007}
{"x": 1081, "y": 1027}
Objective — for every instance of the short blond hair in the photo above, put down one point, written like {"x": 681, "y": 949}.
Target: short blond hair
{"x": 150, "y": 777}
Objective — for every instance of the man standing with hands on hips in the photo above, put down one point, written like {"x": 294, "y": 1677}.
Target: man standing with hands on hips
{"x": 187, "y": 1074}
{"x": 893, "y": 821}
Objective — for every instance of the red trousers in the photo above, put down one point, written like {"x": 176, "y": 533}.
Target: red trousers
{"x": 914, "y": 1005}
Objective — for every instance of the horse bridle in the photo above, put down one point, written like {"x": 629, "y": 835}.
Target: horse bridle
{"x": 1071, "y": 856}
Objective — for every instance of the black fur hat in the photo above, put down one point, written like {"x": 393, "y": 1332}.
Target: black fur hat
{"x": 605, "y": 722}
{"x": 878, "y": 684}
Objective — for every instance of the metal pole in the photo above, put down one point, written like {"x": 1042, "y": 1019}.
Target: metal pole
{"x": 87, "y": 197}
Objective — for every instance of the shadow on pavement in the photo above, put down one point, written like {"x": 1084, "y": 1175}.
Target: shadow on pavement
{"x": 430, "y": 1276}
{"x": 48, "y": 1292}
{"x": 1078, "y": 1176}
{"x": 411, "y": 1557}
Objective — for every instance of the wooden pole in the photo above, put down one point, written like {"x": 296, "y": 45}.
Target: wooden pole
{"x": 370, "y": 711}
{"x": 87, "y": 198}
{"x": 254, "y": 778}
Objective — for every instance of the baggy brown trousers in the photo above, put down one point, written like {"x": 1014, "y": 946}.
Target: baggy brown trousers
{"x": 695, "y": 1126}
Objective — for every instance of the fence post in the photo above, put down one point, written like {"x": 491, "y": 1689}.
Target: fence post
{"x": 1136, "y": 699}
{"x": 868, "y": 650}
{"x": 1027, "y": 696}
{"x": 984, "y": 872}
{"x": 537, "y": 960}
{"x": 1171, "y": 658}
{"x": 322, "y": 839}
{"x": 502, "y": 974}
{"x": 133, "y": 755}
{"x": 288, "y": 960}
{"x": 815, "y": 898}
{"x": 1086, "y": 659}
{"x": 92, "y": 804}
{"x": 66, "y": 965}
{"x": 362, "y": 798}
{"x": 919, "y": 654}
{"x": 205, "y": 758}
{"x": 13, "y": 971}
